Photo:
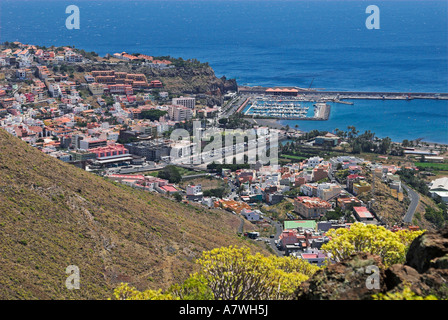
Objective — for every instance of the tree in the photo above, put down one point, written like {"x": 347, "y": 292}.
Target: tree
{"x": 177, "y": 196}
{"x": 170, "y": 173}
{"x": 384, "y": 145}
{"x": 234, "y": 273}
{"x": 153, "y": 114}
{"x": 405, "y": 143}
{"x": 390, "y": 246}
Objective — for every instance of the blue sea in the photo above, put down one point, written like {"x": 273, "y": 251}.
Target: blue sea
{"x": 322, "y": 44}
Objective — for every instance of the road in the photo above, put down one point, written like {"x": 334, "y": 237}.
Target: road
{"x": 415, "y": 198}
{"x": 278, "y": 232}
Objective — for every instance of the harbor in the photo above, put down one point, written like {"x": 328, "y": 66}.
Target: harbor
{"x": 336, "y": 96}
{"x": 286, "y": 110}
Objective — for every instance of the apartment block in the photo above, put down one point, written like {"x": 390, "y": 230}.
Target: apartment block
{"x": 179, "y": 113}
{"x": 311, "y": 208}
{"x": 188, "y": 102}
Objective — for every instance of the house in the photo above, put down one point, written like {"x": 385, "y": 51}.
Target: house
{"x": 311, "y": 207}
{"x": 351, "y": 179}
{"x": 156, "y": 84}
{"x": 320, "y": 173}
{"x": 251, "y": 215}
{"x": 346, "y": 203}
{"x": 327, "y": 140}
{"x": 232, "y": 205}
{"x": 194, "y": 192}
{"x": 362, "y": 214}
{"x": 309, "y": 189}
{"x": 109, "y": 151}
{"x": 324, "y": 226}
{"x": 313, "y": 257}
{"x": 96, "y": 89}
{"x": 300, "y": 240}
{"x": 439, "y": 187}
{"x": 314, "y": 161}
{"x": 327, "y": 191}
{"x": 167, "y": 189}
{"x": 21, "y": 74}
{"x": 274, "y": 198}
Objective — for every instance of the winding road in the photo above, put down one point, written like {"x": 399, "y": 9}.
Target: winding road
{"x": 415, "y": 198}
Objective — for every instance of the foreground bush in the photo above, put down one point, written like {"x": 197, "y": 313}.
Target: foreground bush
{"x": 390, "y": 246}
{"x": 233, "y": 273}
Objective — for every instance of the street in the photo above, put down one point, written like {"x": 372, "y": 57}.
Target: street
{"x": 415, "y": 198}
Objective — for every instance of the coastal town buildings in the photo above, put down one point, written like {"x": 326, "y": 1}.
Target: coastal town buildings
{"x": 311, "y": 207}
{"x": 188, "y": 102}
{"x": 118, "y": 124}
{"x": 439, "y": 187}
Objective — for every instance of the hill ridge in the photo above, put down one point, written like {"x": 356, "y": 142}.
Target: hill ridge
{"x": 53, "y": 215}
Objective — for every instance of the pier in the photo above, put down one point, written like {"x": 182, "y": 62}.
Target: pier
{"x": 339, "y": 95}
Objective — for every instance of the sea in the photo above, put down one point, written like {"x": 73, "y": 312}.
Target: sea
{"x": 316, "y": 44}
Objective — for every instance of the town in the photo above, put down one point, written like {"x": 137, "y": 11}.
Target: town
{"x": 97, "y": 114}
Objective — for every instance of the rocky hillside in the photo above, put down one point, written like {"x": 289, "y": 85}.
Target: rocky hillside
{"x": 53, "y": 215}
{"x": 185, "y": 78}
{"x": 425, "y": 272}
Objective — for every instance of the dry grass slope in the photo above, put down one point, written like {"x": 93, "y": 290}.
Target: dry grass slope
{"x": 53, "y": 215}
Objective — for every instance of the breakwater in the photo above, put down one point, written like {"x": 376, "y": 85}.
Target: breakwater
{"x": 338, "y": 95}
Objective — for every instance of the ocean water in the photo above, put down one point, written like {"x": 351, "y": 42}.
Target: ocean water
{"x": 323, "y": 44}
{"x": 397, "y": 119}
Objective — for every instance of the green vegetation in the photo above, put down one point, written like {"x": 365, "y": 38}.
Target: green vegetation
{"x": 411, "y": 178}
{"x": 218, "y": 192}
{"x": 177, "y": 196}
{"x": 170, "y": 173}
{"x": 153, "y": 114}
{"x": 405, "y": 294}
{"x": 390, "y": 246}
{"x": 434, "y": 166}
{"x": 439, "y": 216}
{"x": 235, "y": 121}
{"x": 287, "y": 156}
{"x": 217, "y": 167}
{"x": 232, "y": 273}
{"x": 337, "y": 214}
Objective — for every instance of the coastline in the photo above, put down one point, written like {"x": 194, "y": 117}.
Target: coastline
{"x": 275, "y": 124}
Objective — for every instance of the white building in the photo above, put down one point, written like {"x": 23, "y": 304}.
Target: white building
{"x": 188, "y": 102}
{"x": 251, "y": 215}
{"x": 194, "y": 190}
{"x": 314, "y": 161}
{"x": 439, "y": 187}
{"x": 179, "y": 113}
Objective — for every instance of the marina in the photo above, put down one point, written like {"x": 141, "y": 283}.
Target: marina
{"x": 286, "y": 109}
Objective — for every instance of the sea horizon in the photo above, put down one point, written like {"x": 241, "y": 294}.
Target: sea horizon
{"x": 310, "y": 44}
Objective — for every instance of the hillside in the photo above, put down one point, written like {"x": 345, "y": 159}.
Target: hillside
{"x": 53, "y": 215}
{"x": 187, "y": 78}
